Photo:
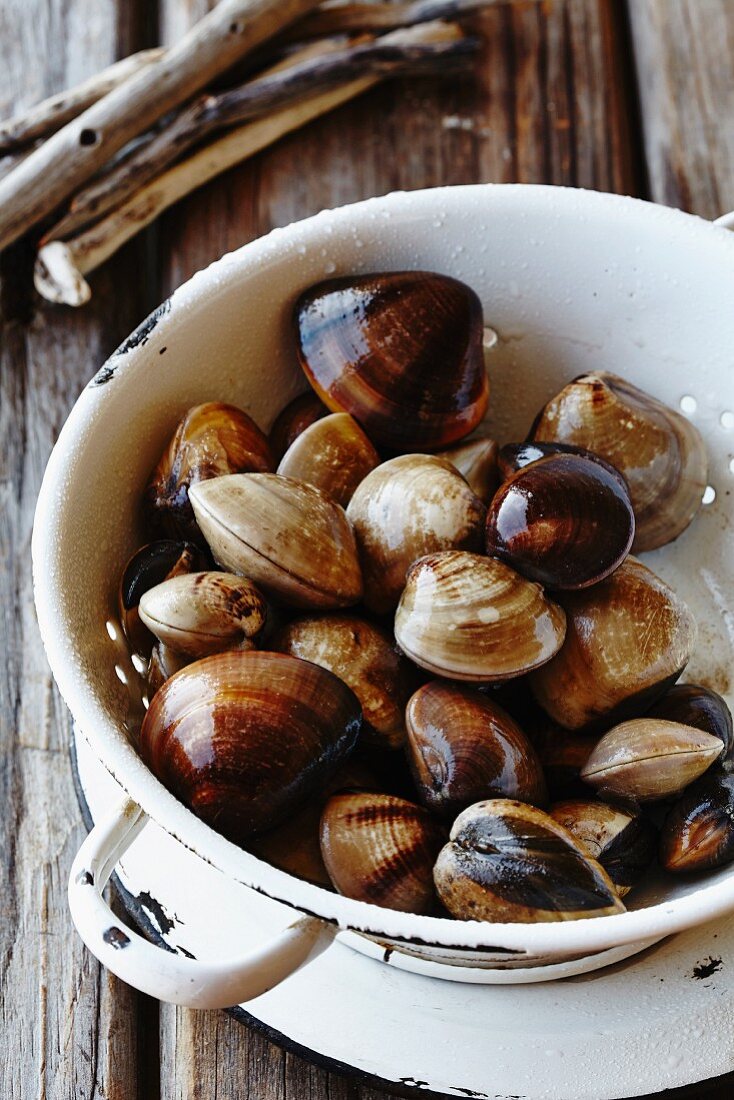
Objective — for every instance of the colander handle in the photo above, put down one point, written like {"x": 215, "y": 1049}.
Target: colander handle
{"x": 726, "y": 221}
{"x": 164, "y": 974}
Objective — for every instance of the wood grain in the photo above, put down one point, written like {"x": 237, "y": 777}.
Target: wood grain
{"x": 685, "y": 59}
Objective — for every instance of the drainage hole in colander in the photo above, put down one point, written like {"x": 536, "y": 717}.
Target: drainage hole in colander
{"x": 111, "y": 630}
{"x": 121, "y": 674}
{"x": 727, "y": 420}
{"x": 709, "y": 495}
{"x": 688, "y": 404}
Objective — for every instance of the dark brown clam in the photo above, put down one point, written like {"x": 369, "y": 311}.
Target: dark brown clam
{"x": 660, "y": 452}
{"x": 507, "y": 861}
{"x": 628, "y": 639}
{"x": 513, "y": 456}
{"x": 381, "y": 849}
{"x": 210, "y": 440}
{"x": 366, "y": 658}
{"x": 401, "y": 351}
{"x": 243, "y": 738}
{"x": 695, "y": 705}
{"x": 562, "y": 755}
{"x": 463, "y": 747}
{"x": 649, "y": 759}
{"x": 564, "y": 521}
{"x": 698, "y": 833}
{"x": 149, "y": 566}
{"x": 297, "y": 415}
{"x": 622, "y": 840}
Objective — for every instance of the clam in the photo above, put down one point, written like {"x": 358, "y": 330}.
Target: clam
{"x": 333, "y": 454}
{"x": 148, "y": 566}
{"x": 695, "y": 705}
{"x": 243, "y": 738}
{"x": 366, "y": 658}
{"x": 297, "y": 415}
{"x": 466, "y": 617}
{"x": 564, "y": 521}
{"x": 209, "y": 441}
{"x": 162, "y": 664}
{"x": 648, "y": 759}
{"x": 476, "y": 461}
{"x": 198, "y": 614}
{"x": 286, "y": 536}
{"x": 463, "y": 747}
{"x": 401, "y": 351}
{"x": 660, "y": 452}
{"x": 620, "y": 839}
{"x": 627, "y": 640}
{"x": 381, "y": 849}
{"x": 698, "y": 833}
{"x": 506, "y": 861}
{"x": 407, "y": 507}
{"x": 513, "y": 456}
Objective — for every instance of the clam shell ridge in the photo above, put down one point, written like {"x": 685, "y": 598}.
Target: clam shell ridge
{"x": 621, "y": 840}
{"x": 242, "y": 738}
{"x": 285, "y": 535}
{"x": 628, "y": 639}
{"x": 506, "y": 861}
{"x": 695, "y": 705}
{"x": 381, "y": 849}
{"x": 197, "y": 614}
{"x": 463, "y": 747}
{"x": 401, "y": 351}
{"x": 467, "y": 617}
{"x": 660, "y": 452}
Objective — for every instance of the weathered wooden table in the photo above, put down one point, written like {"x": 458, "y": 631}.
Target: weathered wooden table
{"x": 635, "y": 98}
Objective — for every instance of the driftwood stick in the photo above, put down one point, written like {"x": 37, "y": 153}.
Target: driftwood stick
{"x": 342, "y": 18}
{"x": 73, "y": 154}
{"x": 60, "y": 264}
{"x": 271, "y": 92}
{"x": 51, "y": 114}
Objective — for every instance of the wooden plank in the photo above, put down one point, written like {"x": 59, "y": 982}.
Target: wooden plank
{"x": 544, "y": 106}
{"x": 685, "y": 58}
{"x": 71, "y": 1029}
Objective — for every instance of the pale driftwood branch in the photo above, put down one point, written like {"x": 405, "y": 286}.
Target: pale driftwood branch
{"x": 210, "y": 114}
{"x": 51, "y": 114}
{"x": 73, "y": 154}
{"x": 351, "y": 18}
{"x": 60, "y": 264}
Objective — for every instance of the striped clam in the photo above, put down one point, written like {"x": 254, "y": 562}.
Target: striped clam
{"x": 407, "y": 507}
{"x": 659, "y": 452}
{"x": 507, "y": 861}
{"x": 628, "y": 639}
{"x": 210, "y": 440}
{"x": 288, "y": 537}
{"x": 151, "y": 564}
{"x": 564, "y": 521}
{"x": 621, "y": 839}
{"x": 401, "y": 351}
{"x": 381, "y": 849}
{"x": 333, "y": 454}
{"x": 467, "y": 617}
{"x": 244, "y": 738}
{"x": 463, "y": 747}
{"x": 698, "y": 833}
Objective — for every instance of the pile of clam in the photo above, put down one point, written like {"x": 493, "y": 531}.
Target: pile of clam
{"x": 397, "y": 660}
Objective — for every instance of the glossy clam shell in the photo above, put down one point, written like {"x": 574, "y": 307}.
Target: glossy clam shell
{"x": 627, "y": 640}
{"x": 243, "y": 739}
{"x": 698, "y": 833}
{"x": 660, "y": 453}
{"x": 564, "y": 521}
{"x": 410, "y": 506}
{"x": 476, "y": 461}
{"x": 648, "y": 759}
{"x": 286, "y": 536}
{"x": 467, "y": 617}
{"x": 507, "y": 861}
{"x": 333, "y": 454}
{"x": 401, "y": 351}
{"x": 621, "y": 840}
{"x": 210, "y": 440}
{"x": 197, "y": 614}
{"x": 162, "y": 665}
{"x": 148, "y": 566}
{"x": 695, "y": 705}
{"x": 297, "y": 415}
{"x": 381, "y": 849}
{"x": 514, "y": 456}
{"x": 366, "y": 658}
{"x": 463, "y": 747}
